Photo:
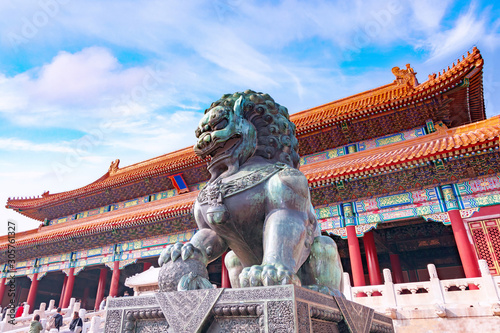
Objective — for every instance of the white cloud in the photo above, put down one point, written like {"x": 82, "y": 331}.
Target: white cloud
{"x": 72, "y": 84}
{"x": 467, "y": 31}
{"x": 83, "y": 78}
{"x": 429, "y": 13}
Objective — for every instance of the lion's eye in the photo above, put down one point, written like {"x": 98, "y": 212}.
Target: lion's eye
{"x": 222, "y": 124}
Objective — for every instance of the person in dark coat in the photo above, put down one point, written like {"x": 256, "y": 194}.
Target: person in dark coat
{"x": 58, "y": 319}
{"x": 76, "y": 324}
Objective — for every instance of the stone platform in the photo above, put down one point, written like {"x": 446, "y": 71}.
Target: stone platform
{"x": 263, "y": 309}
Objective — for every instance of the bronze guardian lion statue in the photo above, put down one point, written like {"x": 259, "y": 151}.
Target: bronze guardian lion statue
{"x": 256, "y": 203}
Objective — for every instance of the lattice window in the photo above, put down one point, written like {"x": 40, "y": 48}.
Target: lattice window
{"x": 494, "y": 234}
{"x": 486, "y": 235}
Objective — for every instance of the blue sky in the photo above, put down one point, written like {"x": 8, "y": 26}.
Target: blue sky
{"x": 85, "y": 82}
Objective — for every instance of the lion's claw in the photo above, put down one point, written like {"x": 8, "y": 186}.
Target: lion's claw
{"x": 165, "y": 255}
{"x": 171, "y": 252}
{"x": 267, "y": 275}
{"x": 187, "y": 251}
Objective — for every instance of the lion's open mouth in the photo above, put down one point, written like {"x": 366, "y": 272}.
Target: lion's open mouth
{"x": 217, "y": 149}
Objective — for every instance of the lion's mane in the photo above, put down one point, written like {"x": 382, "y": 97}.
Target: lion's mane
{"x": 276, "y": 139}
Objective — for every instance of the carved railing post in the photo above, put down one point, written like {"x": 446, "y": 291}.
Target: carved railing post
{"x": 82, "y": 313}
{"x": 51, "y": 305}
{"x": 76, "y": 307}
{"x": 347, "y": 286}
{"x": 436, "y": 290}
{"x": 69, "y": 309}
{"x": 94, "y": 324}
{"x": 26, "y": 310}
{"x": 389, "y": 292}
{"x": 42, "y": 306}
{"x": 487, "y": 284}
{"x": 40, "y": 311}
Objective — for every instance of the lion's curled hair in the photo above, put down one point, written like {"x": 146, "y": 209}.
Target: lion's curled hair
{"x": 276, "y": 139}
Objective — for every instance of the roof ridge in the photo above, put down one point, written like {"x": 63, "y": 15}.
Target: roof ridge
{"x": 344, "y": 99}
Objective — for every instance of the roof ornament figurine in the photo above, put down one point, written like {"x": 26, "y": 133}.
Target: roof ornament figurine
{"x": 113, "y": 168}
{"x": 256, "y": 203}
{"x": 405, "y": 76}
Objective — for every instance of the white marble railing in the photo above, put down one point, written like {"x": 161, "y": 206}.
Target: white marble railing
{"x": 93, "y": 321}
{"x": 431, "y": 298}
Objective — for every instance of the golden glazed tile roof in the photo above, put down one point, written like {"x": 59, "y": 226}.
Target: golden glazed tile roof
{"x": 155, "y": 211}
{"x": 439, "y": 144}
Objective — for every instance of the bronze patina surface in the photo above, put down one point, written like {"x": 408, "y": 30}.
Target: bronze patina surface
{"x": 256, "y": 203}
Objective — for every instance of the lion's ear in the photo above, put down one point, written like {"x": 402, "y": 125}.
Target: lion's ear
{"x": 239, "y": 107}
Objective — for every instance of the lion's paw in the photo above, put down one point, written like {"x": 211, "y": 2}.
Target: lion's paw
{"x": 168, "y": 253}
{"x": 267, "y": 275}
{"x": 186, "y": 251}
{"x": 193, "y": 281}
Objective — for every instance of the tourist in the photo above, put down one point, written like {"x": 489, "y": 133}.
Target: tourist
{"x": 126, "y": 294}
{"x": 102, "y": 306}
{"x": 76, "y": 324}
{"x": 20, "y": 310}
{"x": 56, "y": 321}
{"x": 35, "y": 326}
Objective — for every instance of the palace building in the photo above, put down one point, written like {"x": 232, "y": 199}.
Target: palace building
{"x": 401, "y": 176}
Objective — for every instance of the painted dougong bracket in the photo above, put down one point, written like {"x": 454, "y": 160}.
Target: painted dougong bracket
{"x": 445, "y": 218}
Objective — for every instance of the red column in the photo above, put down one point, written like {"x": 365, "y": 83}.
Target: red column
{"x": 371, "y": 259}
{"x": 465, "y": 249}
{"x": 69, "y": 288}
{"x": 115, "y": 278}
{"x": 358, "y": 276}
{"x": 2, "y": 289}
{"x": 61, "y": 299}
{"x": 32, "y": 292}
{"x": 225, "y": 283}
{"x": 147, "y": 265}
{"x": 397, "y": 271}
{"x": 100, "y": 287}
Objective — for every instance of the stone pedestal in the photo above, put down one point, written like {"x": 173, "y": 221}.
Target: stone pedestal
{"x": 263, "y": 309}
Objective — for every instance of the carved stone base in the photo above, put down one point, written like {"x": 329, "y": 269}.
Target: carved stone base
{"x": 263, "y": 309}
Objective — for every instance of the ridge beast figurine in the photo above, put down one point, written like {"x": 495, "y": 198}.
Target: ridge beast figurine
{"x": 256, "y": 203}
